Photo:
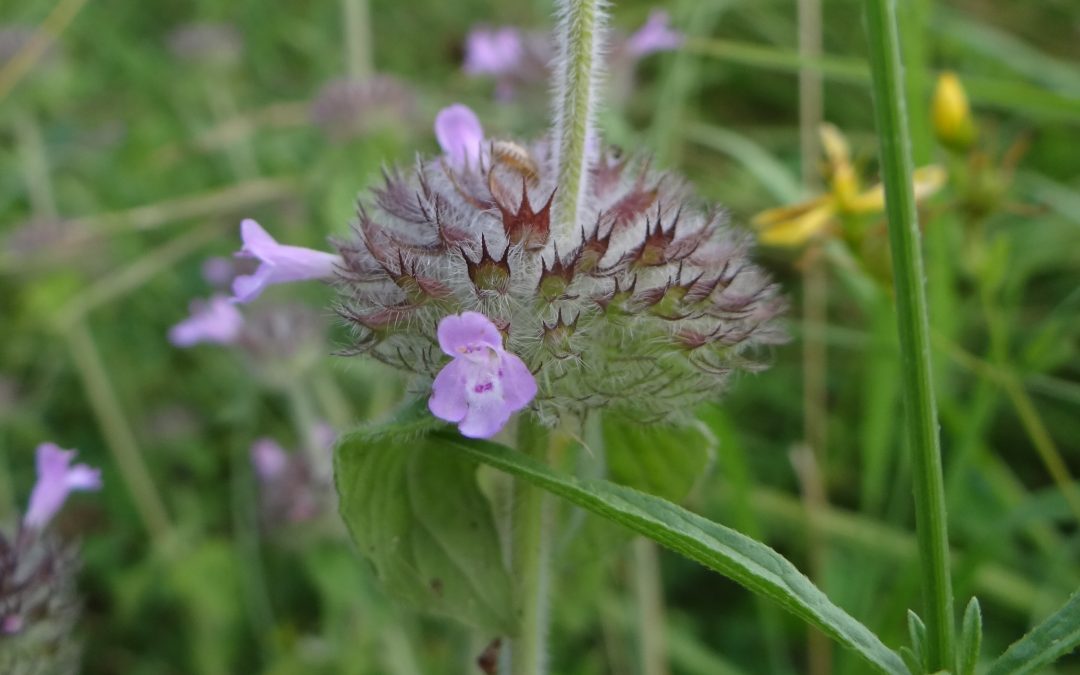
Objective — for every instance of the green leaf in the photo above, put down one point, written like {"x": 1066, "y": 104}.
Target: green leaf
{"x": 417, "y": 514}
{"x": 747, "y": 562}
{"x": 917, "y": 637}
{"x": 1055, "y": 637}
{"x": 967, "y": 657}
{"x": 665, "y": 461}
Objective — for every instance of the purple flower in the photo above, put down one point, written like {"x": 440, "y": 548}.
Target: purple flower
{"x": 269, "y": 459}
{"x": 655, "y": 36}
{"x": 277, "y": 263}
{"x": 493, "y": 51}
{"x": 460, "y": 136}
{"x": 56, "y": 478}
{"x": 216, "y": 320}
{"x": 484, "y": 383}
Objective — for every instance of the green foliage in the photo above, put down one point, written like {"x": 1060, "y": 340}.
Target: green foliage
{"x": 736, "y": 556}
{"x": 666, "y": 461}
{"x": 417, "y": 514}
{"x": 1056, "y": 636}
{"x": 967, "y": 654}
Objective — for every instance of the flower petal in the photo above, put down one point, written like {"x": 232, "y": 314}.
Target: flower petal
{"x": 469, "y": 329}
{"x": 247, "y": 287}
{"x": 448, "y": 400}
{"x": 656, "y": 35}
{"x": 487, "y": 416}
{"x": 257, "y": 242}
{"x": 268, "y": 459}
{"x": 55, "y": 480}
{"x": 518, "y": 384}
{"x": 460, "y": 136}
{"x": 217, "y": 321}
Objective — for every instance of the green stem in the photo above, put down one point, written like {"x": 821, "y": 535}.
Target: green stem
{"x": 580, "y": 34}
{"x": 35, "y": 164}
{"x": 529, "y": 558}
{"x": 357, "y": 19}
{"x": 117, "y": 430}
{"x": 921, "y": 410}
{"x": 650, "y": 607}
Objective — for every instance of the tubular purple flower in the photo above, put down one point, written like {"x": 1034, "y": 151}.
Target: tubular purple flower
{"x": 278, "y": 263}
{"x": 56, "y": 479}
{"x": 460, "y": 136}
{"x": 493, "y": 51}
{"x": 216, "y": 320}
{"x": 656, "y": 35}
{"x": 483, "y": 384}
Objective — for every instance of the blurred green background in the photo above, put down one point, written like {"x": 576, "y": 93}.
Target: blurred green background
{"x": 125, "y": 164}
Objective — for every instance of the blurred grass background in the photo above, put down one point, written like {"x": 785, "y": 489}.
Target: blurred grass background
{"x": 124, "y": 167}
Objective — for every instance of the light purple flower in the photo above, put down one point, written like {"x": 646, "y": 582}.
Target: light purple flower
{"x": 484, "y": 384}
{"x": 460, "y": 136}
{"x": 655, "y": 36}
{"x": 493, "y": 51}
{"x": 278, "y": 263}
{"x": 269, "y": 459}
{"x": 216, "y": 320}
{"x": 218, "y": 271}
{"x": 56, "y": 478}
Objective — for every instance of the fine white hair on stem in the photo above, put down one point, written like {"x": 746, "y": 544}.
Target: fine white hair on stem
{"x": 577, "y": 79}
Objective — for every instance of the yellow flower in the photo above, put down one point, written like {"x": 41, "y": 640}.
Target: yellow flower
{"x": 797, "y": 224}
{"x": 953, "y": 123}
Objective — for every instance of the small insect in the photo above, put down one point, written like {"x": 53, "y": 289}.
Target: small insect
{"x": 516, "y": 158}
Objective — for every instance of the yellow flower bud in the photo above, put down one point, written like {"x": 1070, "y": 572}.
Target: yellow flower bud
{"x": 953, "y": 123}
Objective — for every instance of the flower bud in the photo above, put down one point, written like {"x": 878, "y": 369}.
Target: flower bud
{"x": 953, "y": 123}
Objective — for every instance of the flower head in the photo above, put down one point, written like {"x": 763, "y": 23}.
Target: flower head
{"x": 483, "y": 384}
{"x": 56, "y": 478}
{"x": 216, "y": 320}
{"x": 460, "y": 136}
{"x": 656, "y": 35}
{"x": 953, "y": 122}
{"x": 278, "y": 263}
{"x": 644, "y": 307}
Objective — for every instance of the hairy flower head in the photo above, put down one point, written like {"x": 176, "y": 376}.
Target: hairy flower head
{"x": 645, "y": 306}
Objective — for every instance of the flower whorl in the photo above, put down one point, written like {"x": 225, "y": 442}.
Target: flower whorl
{"x": 645, "y": 309}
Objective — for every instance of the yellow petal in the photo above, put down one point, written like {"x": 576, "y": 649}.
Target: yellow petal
{"x": 798, "y": 230}
{"x": 926, "y": 181}
{"x": 834, "y": 144}
{"x": 779, "y": 214}
{"x": 953, "y": 123}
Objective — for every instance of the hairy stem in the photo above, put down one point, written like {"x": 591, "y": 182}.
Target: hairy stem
{"x": 529, "y": 558}
{"x": 908, "y": 274}
{"x": 577, "y": 75}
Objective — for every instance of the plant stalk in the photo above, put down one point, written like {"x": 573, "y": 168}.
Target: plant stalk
{"x": 357, "y": 19}
{"x": 652, "y": 627}
{"x": 908, "y": 275}
{"x": 529, "y": 558}
{"x": 577, "y": 75}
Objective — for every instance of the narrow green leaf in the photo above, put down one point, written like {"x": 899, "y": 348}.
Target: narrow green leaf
{"x": 917, "y": 636}
{"x": 913, "y": 662}
{"x": 747, "y": 562}
{"x": 661, "y": 460}
{"x": 1055, "y": 637}
{"x": 418, "y": 515}
{"x": 970, "y": 639}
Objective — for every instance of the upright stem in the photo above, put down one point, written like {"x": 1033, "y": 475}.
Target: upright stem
{"x": 577, "y": 76}
{"x": 914, "y": 329}
{"x": 529, "y": 559}
{"x": 357, "y": 19}
{"x": 117, "y": 431}
{"x": 652, "y": 628}
{"x": 815, "y": 313}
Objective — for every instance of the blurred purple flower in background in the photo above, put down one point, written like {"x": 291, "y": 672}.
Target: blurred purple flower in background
{"x": 278, "y": 263}
{"x": 460, "y": 136}
{"x": 484, "y": 384}
{"x": 293, "y": 485}
{"x": 493, "y": 51}
{"x": 656, "y": 35}
{"x": 216, "y": 320}
{"x": 56, "y": 479}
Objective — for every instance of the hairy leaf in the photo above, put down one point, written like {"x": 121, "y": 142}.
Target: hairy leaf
{"x": 1055, "y": 637}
